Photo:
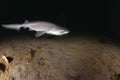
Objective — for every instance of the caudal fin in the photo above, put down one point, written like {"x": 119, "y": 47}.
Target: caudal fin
{"x": 12, "y": 26}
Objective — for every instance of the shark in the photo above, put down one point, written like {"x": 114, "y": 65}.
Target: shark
{"x": 41, "y": 28}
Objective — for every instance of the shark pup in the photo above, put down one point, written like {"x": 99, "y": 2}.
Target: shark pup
{"x": 41, "y": 27}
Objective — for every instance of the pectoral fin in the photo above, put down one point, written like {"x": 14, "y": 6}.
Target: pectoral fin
{"x": 39, "y": 33}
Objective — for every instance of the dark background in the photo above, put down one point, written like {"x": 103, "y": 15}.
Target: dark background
{"x": 92, "y": 17}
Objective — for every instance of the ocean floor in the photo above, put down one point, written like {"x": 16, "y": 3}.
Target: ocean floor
{"x": 59, "y": 58}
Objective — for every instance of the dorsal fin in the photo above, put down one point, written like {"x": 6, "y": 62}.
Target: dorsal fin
{"x": 26, "y": 21}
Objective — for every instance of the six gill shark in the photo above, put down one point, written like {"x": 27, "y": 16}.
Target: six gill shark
{"x": 41, "y": 27}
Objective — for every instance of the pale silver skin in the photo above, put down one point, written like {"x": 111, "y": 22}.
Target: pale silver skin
{"x": 41, "y": 27}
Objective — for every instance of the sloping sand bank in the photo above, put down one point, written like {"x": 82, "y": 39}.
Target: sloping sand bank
{"x": 62, "y": 58}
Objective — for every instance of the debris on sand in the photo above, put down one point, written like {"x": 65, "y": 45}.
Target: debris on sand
{"x": 5, "y": 59}
{"x": 32, "y": 53}
{"x": 4, "y": 66}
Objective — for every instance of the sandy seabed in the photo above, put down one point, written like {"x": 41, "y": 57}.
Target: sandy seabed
{"x": 59, "y": 58}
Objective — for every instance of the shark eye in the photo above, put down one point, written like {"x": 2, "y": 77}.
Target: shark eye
{"x": 62, "y": 31}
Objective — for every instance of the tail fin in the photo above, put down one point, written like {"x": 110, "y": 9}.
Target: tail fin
{"x": 12, "y": 26}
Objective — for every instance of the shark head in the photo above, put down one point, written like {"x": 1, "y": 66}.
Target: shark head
{"x": 58, "y": 31}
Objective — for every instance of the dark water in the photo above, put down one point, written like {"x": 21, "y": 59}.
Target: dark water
{"x": 84, "y": 17}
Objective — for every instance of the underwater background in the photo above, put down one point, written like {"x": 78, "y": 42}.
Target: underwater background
{"x": 91, "y": 51}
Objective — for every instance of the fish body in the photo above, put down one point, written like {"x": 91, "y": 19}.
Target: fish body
{"x": 41, "y": 27}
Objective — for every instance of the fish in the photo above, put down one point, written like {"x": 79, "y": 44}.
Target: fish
{"x": 41, "y": 28}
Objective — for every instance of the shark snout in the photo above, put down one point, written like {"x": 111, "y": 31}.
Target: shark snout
{"x": 66, "y": 32}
